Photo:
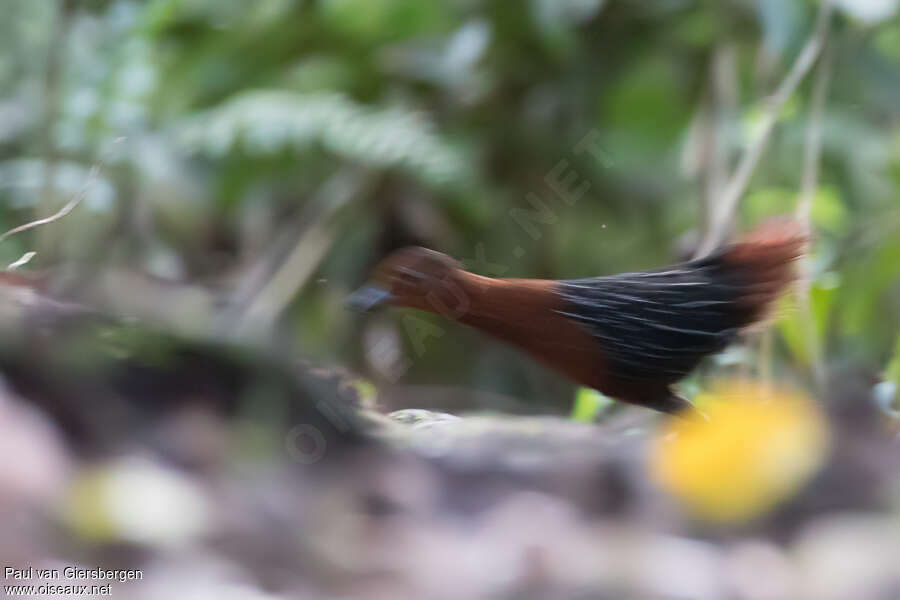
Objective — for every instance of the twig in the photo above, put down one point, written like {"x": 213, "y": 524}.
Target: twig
{"x": 70, "y": 205}
{"x": 811, "y": 159}
{"x": 296, "y": 269}
{"x": 813, "y": 139}
{"x": 51, "y": 101}
{"x": 725, "y": 100}
{"x": 257, "y": 309}
{"x": 715, "y": 113}
{"x": 25, "y": 259}
{"x": 256, "y": 276}
{"x": 723, "y": 214}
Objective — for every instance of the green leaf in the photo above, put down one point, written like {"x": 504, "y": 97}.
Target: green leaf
{"x": 379, "y": 20}
{"x": 794, "y": 322}
{"x": 765, "y": 202}
{"x": 649, "y": 102}
{"x": 264, "y": 123}
{"x": 866, "y": 310}
{"x": 588, "y": 404}
{"x": 887, "y": 41}
{"x": 828, "y": 211}
{"x": 892, "y": 373}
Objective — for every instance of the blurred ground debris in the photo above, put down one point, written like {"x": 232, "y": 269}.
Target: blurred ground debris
{"x": 150, "y": 457}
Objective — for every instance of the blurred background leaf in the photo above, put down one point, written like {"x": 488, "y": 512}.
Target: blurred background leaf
{"x": 589, "y": 404}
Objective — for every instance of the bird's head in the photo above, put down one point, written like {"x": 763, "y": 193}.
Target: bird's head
{"x": 409, "y": 277}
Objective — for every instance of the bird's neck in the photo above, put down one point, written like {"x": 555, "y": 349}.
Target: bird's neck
{"x": 518, "y": 303}
{"x": 522, "y": 312}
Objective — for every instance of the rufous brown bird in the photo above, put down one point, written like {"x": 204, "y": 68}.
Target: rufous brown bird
{"x": 630, "y": 336}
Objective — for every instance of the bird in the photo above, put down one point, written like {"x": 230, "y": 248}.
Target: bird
{"x": 631, "y": 336}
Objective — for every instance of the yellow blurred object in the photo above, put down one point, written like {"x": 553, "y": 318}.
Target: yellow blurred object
{"x": 760, "y": 445}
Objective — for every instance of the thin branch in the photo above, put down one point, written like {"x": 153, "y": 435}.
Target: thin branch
{"x": 725, "y": 100}
{"x": 813, "y": 139}
{"x": 69, "y": 207}
{"x": 722, "y": 216}
{"x": 263, "y": 296}
{"x": 714, "y": 120}
{"x": 811, "y": 161}
{"x": 52, "y": 96}
{"x": 255, "y": 276}
{"x": 25, "y": 259}
{"x": 294, "y": 272}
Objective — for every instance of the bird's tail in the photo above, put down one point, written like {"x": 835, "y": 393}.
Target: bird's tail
{"x": 764, "y": 260}
{"x": 655, "y": 327}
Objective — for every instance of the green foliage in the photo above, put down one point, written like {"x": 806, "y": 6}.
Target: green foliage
{"x": 868, "y": 295}
{"x": 268, "y": 122}
{"x": 647, "y": 102}
{"x": 892, "y": 373}
{"x": 383, "y": 20}
{"x": 240, "y": 120}
{"x": 828, "y": 212}
{"x": 794, "y": 323}
{"x": 589, "y": 404}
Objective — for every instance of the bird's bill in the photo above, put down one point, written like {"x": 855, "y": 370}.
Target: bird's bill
{"x": 368, "y": 297}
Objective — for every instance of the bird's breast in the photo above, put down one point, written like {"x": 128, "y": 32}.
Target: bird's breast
{"x": 526, "y": 313}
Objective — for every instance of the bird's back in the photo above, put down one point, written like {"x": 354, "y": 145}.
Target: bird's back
{"x": 656, "y": 326}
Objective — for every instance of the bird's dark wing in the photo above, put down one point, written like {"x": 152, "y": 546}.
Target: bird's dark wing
{"x": 658, "y": 325}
